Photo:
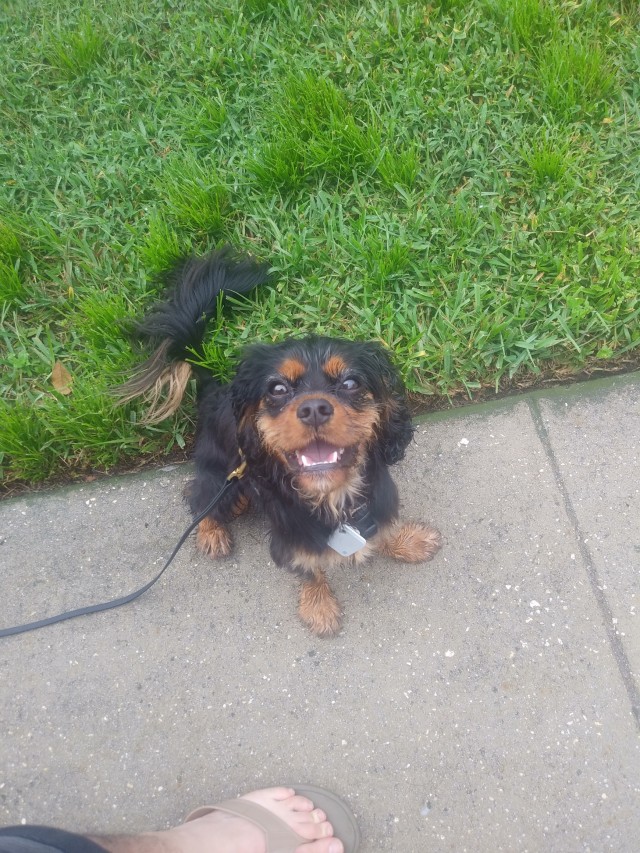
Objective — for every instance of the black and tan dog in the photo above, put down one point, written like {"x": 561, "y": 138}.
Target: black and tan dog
{"x": 318, "y": 421}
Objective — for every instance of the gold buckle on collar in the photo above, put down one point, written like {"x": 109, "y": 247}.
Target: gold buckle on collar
{"x": 238, "y": 472}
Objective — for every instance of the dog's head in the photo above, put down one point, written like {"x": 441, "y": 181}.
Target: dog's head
{"x": 320, "y": 408}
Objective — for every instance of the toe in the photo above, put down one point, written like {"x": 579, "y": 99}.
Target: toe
{"x": 314, "y": 831}
{"x": 276, "y": 793}
{"x": 323, "y": 845}
{"x": 298, "y": 803}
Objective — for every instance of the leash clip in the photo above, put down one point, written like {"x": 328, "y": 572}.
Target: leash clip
{"x": 238, "y": 472}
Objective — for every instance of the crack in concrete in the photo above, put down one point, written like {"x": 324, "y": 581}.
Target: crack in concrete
{"x": 615, "y": 642}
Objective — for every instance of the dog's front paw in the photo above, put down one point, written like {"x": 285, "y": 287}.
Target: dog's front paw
{"x": 319, "y": 608}
{"x": 213, "y": 539}
{"x": 411, "y": 542}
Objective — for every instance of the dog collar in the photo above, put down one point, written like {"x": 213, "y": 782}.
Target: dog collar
{"x": 363, "y": 521}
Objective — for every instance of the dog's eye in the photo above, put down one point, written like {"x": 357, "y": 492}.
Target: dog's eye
{"x": 349, "y": 384}
{"x": 277, "y": 389}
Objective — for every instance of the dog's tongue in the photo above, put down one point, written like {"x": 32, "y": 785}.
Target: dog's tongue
{"x": 319, "y": 453}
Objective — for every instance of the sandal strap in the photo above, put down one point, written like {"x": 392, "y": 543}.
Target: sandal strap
{"x": 280, "y": 838}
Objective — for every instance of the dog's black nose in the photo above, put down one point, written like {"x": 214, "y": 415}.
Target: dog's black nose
{"x": 315, "y": 412}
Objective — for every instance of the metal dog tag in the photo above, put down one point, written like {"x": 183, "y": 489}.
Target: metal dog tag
{"x": 346, "y": 540}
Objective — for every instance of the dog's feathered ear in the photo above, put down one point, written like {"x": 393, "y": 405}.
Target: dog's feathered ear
{"x": 245, "y": 392}
{"x": 244, "y": 411}
{"x": 247, "y": 434}
{"x": 395, "y": 429}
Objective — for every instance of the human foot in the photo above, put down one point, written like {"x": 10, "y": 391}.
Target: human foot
{"x": 235, "y": 834}
{"x": 296, "y": 826}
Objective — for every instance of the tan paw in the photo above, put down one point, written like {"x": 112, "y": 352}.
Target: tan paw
{"x": 411, "y": 542}
{"x": 241, "y": 505}
{"x": 319, "y": 608}
{"x": 213, "y": 539}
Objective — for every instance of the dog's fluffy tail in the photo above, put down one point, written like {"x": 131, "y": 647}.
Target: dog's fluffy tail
{"x": 178, "y": 325}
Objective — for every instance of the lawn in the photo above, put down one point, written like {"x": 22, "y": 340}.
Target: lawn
{"x": 457, "y": 179}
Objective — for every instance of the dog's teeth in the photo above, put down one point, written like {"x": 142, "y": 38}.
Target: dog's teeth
{"x": 340, "y": 452}
{"x": 305, "y": 462}
{"x": 308, "y": 463}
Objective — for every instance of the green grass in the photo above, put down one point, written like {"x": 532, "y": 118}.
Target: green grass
{"x": 71, "y": 53}
{"x": 459, "y": 180}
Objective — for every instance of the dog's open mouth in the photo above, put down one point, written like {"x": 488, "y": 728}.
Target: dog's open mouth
{"x": 321, "y": 456}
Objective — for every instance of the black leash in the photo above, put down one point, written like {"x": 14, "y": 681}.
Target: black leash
{"x": 125, "y": 599}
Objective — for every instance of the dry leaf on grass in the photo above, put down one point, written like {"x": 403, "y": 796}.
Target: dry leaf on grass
{"x": 61, "y": 379}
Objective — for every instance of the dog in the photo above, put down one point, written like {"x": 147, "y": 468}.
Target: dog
{"x": 317, "y": 420}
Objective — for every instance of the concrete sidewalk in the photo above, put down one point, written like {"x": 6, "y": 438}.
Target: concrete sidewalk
{"x": 487, "y": 701}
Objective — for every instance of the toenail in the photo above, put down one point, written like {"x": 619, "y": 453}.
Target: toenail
{"x": 335, "y": 847}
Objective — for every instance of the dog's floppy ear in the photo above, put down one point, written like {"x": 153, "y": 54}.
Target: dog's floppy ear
{"x": 246, "y": 390}
{"x": 244, "y": 410}
{"x": 395, "y": 429}
{"x": 247, "y": 434}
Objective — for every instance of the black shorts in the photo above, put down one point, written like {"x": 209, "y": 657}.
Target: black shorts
{"x": 44, "y": 839}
